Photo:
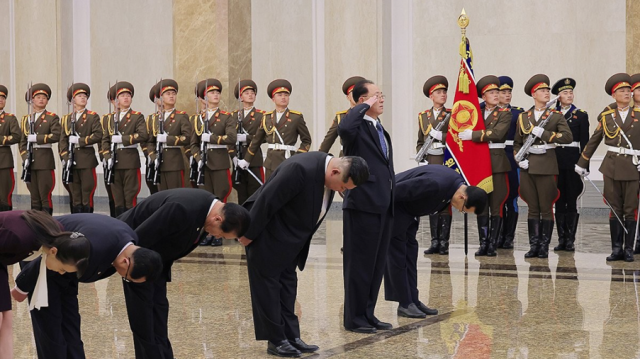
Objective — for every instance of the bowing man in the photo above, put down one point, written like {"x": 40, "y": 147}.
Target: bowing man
{"x": 54, "y": 311}
{"x": 172, "y": 222}
{"x": 285, "y": 213}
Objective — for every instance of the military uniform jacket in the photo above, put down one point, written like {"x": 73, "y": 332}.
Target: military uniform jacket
{"x": 555, "y": 131}
{"x": 291, "y": 126}
{"x": 89, "y": 129}
{"x": 620, "y": 167}
{"x": 250, "y": 123}
{"x": 426, "y": 122}
{"x": 223, "y": 132}
{"x": 332, "y": 134}
{"x": 133, "y": 129}
{"x": 178, "y": 130}
{"x": 578, "y": 121}
{"x": 47, "y": 129}
{"x": 9, "y": 135}
{"x": 496, "y": 129}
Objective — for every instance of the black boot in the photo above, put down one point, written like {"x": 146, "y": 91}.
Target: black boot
{"x": 119, "y": 211}
{"x": 534, "y": 237}
{"x": 483, "y": 234}
{"x": 509, "y": 229}
{"x": 433, "y": 225}
{"x": 494, "y": 232}
{"x": 629, "y": 237}
{"x": 48, "y": 210}
{"x": 76, "y": 209}
{"x": 617, "y": 233}
{"x": 216, "y": 242}
{"x": 4, "y": 208}
{"x": 87, "y": 209}
{"x": 545, "y": 238}
{"x": 570, "y": 230}
{"x": 561, "y": 225}
{"x": 444, "y": 224}
{"x": 206, "y": 241}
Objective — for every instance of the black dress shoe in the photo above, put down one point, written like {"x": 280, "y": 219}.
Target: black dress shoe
{"x": 283, "y": 349}
{"x": 302, "y": 346}
{"x": 383, "y": 326}
{"x": 216, "y": 242}
{"x": 206, "y": 241}
{"x": 410, "y": 311}
{"x": 426, "y": 310}
{"x": 365, "y": 330}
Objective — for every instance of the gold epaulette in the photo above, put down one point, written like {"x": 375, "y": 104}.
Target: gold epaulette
{"x": 581, "y": 110}
{"x": 295, "y": 112}
{"x": 517, "y": 108}
{"x": 181, "y": 112}
{"x": 607, "y": 113}
{"x": 268, "y": 113}
{"x": 9, "y": 114}
{"x": 91, "y": 112}
{"x": 503, "y": 109}
{"x": 135, "y": 112}
{"x": 50, "y": 113}
{"x": 342, "y": 112}
{"x": 261, "y": 111}
{"x": 423, "y": 112}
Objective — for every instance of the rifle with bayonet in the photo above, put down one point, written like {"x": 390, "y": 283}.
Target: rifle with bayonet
{"x": 67, "y": 169}
{"x": 26, "y": 166}
{"x": 109, "y": 171}
{"x": 203, "y": 145}
{"x": 524, "y": 150}
{"x": 193, "y": 170}
{"x": 427, "y": 143}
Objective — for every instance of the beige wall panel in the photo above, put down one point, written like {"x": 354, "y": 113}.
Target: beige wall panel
{"x": 633, "y": 36}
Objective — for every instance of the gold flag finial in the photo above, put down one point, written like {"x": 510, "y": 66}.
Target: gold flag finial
{"x": 463, "y": 20}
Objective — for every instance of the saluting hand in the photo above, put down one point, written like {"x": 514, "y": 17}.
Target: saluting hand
{"x": 372, "y": 100}
{"x": 244, "y": 241}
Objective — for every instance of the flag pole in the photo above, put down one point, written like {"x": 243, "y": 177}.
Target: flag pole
{"x": 463, "y": 22}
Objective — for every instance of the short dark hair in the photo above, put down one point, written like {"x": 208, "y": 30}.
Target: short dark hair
{"x": 360, "y": 89}
{"x": 147, "y": 264}
{"x": 477, "y": 198}
{"x": 236, "y": 219}
{"x": 357, "y": 170}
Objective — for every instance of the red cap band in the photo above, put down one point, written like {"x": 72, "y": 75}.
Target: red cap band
{"x": 280, "y": 89}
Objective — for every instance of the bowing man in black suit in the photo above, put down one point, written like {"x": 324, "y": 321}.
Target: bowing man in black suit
{"x": 367, "y": 210}
{"x": 56, "y": 326}
{"x": 421, "y": 191}
{"x": 172, "y": 222}
{"x": 285, "y": 213}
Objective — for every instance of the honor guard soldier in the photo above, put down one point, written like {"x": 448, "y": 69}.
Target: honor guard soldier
{"x": 497, "y": 121}
{"x": 619, "y": 167}
{"x": 436, "y": 88}
{"x": 9, "y": 135}
{"x": 280, "y": 129}
{"x": 81, "y": 129}
{"x": 246, "y": 129}
{"x": 540, "y": 129}
{"x": 125, "y": 129}
{"x": 172, "y": 134}
{"x": 332, "y": 134}
{"x": 570, "y": 184}
{"x": 510, "y": 211}
{"x": 40, "y": 129}
{"x": 147, "y": 146}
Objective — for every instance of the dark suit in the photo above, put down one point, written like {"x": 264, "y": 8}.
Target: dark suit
{"x": 169, "y": 222}
{"x": 419, "y": 192}
{"x": 56, "y": 328}
{"x": 285, "y": 213}
{"x": 368, "y": 214}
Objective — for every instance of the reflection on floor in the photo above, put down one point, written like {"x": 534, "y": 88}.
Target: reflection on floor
{"x": 571, "y": 305}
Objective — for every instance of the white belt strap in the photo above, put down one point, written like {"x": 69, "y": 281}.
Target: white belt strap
{"x": 121, "y": 146}
{"x": 623, "y": 151}
{"x": 497, "y": 145}
{"x": 278, "y": 146}
{"x": 572, "y": 144}
{"x": 541, "y": 149}
{"x": 508, "y": 143}
{"x": 173, "y": 147}
{"x": 213, "y": 146}
{"x": 436, "y": 149}
{"x": 42, "y": 146}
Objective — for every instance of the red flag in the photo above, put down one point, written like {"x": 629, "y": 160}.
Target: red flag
{"x": 471, "y": 159}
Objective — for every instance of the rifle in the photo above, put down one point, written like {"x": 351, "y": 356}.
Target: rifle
{"x": 203, "y": 145}
{"x": 26, "y": 166}
{"x": 193, "y": 170}
{"x": 67, "y": 170}
{"x": 524, "y": 150}
{"x": 109, "y": 174}
{"x": 153, "y": 170}
{"x": 427, "y": 143}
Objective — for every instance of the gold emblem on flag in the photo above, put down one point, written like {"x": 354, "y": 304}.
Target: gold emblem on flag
{"x": 464, "y": 116}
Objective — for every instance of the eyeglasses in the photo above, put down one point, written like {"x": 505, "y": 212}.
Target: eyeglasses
{"x": 381, "y": 96}
{"x": 127, "y": 274}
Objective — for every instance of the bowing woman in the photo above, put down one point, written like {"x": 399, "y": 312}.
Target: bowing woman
{"x": 55, "y": 315}
{"x": 26, "y": 235}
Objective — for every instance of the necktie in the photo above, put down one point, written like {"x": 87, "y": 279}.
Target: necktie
{"x": 383, "y": 142}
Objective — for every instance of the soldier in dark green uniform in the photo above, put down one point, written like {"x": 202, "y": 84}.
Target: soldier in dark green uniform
{"x": 332, "y": 134}
{"x": 620, "y": 165}
{"x": 82, "y": 129}
{"x": 280, "y": 129}
{"x": 9, "y": 135}
{"x": 246, "y": 126}
{"x": 176, "y": 134}
{"x": 539, "y": 167}
{"x": 497, "y": 121}
{"x": 131, "y": 131}
{"x": 46, "y": 131}
{"x": 435, "y": 88}
{"x": 147, "y": 146}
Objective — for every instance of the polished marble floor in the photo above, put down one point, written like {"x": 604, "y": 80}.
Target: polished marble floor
{"x": 571, "y": 305}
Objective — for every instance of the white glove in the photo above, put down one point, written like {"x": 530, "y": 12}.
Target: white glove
{"x": 74, "y": 139}
{"x": 242, "y": 137}
{"x": 206, "y": 137}
{"x": 63, "y": 162}
{"x": 465, "y": 135}
{"x": 235, "y": 162}
{"x": 524, "y": 164}
{"x": 32, "y": 138}
{"x": 26, "y": 163}
{"x": 423, "y": 163}
{"x": 243, "y": 164}
{"x": 436, "y": 134}
{"x": 116, "y": 139}
{"x": 537, "y": 131}
{"x": 104, "y": 163}
{"x": 109, "y": 163}
{"x": 582, "y": 171}
{"x": 162, "y": 138}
